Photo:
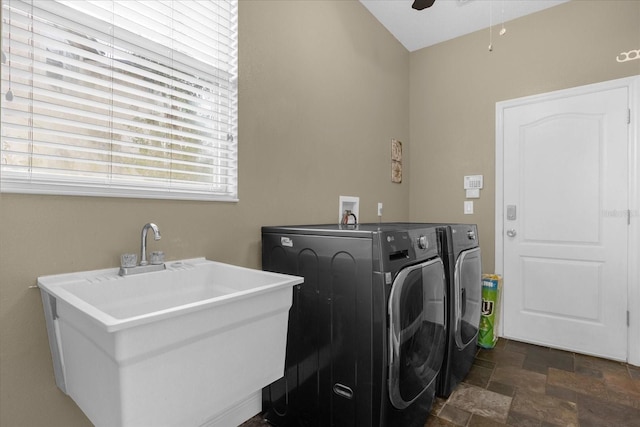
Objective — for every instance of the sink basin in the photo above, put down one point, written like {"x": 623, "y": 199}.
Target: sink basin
{"x": 185, "y": 346}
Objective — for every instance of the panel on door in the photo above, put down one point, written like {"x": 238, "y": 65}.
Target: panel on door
{"x": 565, "y": 272}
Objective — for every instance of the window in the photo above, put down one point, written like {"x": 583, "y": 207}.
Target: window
{"x": 120, "y": 98}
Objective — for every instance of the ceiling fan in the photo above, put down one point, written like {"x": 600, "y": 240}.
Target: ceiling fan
{"x": 422, "y": 4}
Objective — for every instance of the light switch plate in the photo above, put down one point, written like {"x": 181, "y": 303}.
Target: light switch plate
{"x": 468, "y": 207}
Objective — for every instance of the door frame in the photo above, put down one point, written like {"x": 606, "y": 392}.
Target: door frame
{"x": 633, "y": 270}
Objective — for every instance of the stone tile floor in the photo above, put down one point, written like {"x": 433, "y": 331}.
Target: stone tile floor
{"x": 524, "y": 385}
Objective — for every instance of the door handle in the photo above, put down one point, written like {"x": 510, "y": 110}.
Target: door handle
{"x": 511, "y": 232}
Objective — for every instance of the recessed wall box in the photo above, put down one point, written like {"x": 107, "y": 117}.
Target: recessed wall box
{"x": 352, "y": 205}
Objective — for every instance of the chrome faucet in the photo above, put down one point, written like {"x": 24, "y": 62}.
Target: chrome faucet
{"x": 143, "y": 245}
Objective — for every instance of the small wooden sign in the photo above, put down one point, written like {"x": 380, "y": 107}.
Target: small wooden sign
{"x": 396, "y": 161}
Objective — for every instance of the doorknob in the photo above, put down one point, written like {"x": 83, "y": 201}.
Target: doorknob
{"x": 511, "y": 232}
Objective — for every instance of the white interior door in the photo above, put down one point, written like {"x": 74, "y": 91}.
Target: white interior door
{"x": 565, "y": 225}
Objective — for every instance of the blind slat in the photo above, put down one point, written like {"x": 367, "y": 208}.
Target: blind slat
{"x": 88, "y": 54}
{"x": 119, "y": 123}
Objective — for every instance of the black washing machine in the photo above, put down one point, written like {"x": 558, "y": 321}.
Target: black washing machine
{"x": 460, "y": 251}
{"x": 366, "y": 334}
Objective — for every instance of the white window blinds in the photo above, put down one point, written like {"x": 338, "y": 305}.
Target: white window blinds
{"x": 120, "y": 98}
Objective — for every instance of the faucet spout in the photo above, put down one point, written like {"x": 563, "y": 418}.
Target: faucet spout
{"x": 143, "y": 244}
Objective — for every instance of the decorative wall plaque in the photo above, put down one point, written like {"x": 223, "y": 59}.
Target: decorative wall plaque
{"x": 396, "y": 161}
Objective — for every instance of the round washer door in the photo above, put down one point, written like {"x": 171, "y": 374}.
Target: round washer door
{"x": 468, "y": 295}
{"x": 416, "y": 330}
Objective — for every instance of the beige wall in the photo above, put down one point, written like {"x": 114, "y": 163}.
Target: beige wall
{"x": 456, "y": 84}
{"x": 323, "y": 89}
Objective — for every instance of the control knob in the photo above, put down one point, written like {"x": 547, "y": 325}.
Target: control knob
{"x": 423, "y": 243}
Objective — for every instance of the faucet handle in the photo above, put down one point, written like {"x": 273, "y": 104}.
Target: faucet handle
{"x": 128, "y": 260}
{"x": 157, "y": 257}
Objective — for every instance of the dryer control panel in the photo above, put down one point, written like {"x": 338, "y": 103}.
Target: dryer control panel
{"x": 425, "y": 242}
{"x": 396, "y": 246}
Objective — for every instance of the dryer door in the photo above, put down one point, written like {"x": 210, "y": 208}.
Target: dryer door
{"x": 468, "y": 293}
{"x": 416, "y": 331}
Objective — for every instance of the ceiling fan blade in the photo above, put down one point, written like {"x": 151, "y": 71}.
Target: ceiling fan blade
{"x": 422, "y": 4}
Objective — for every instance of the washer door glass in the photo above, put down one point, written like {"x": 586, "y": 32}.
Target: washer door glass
{"x": 468, "y": 292}
{"x": 416, "y": 331}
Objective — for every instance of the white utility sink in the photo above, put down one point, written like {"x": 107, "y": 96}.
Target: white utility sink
{"x": 190, "y": 345}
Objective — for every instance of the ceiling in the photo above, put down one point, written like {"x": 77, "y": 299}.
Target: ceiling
{"x": 448, "y": 19}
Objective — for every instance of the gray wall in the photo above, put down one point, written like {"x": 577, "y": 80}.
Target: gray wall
{"x": 323, "y": 89}
{"x": 456, "y": 84}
